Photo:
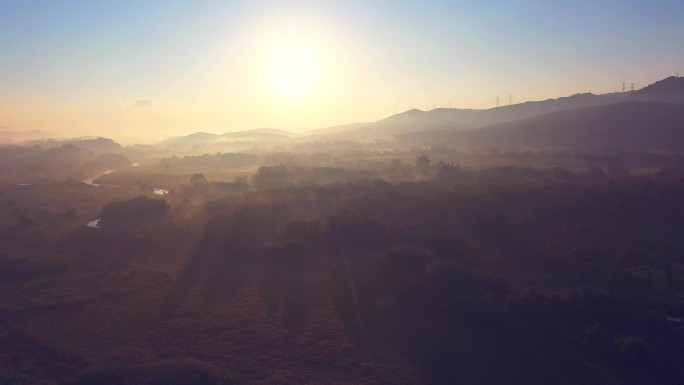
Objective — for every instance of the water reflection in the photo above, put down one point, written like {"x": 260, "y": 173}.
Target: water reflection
{"x": 90, "y": 181}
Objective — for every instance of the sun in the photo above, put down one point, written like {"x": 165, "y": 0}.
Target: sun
{"x": 294, "y": 70}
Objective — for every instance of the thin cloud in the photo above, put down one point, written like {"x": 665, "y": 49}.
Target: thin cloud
{"x": 138, "y": 103}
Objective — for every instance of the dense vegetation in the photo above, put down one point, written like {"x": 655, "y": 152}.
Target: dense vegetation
{"x": 502, "y": 275}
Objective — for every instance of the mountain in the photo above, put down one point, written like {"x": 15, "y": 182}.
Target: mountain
{"x": 9, "y": 136}
{"x": 95, "y": 144}
{"x": 202, "y": 140}
{"x": 258, "y": 133}
{"x": 626, "y": 125}
{"x": 336, "y": 129}
{"x": 197, "y": 138}
{"x": 453, "y": 118}
{"x": 669, "y": 90}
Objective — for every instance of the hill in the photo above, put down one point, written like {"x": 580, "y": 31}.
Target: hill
{"x": 98, "y": 145}
{"x": 258, "y": 133}
{"x": 197, "y": 138}
{"x": 10, "y": 136}
{"x": 336, "y": 129}
{"x": 627, "y": 125}
{"x": 207, "y": 141}
{"x": 669, "y": 90}
{"x": 454, "y": 118}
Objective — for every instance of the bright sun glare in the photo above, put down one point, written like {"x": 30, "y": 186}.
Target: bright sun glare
{"x": 295, "y": 70}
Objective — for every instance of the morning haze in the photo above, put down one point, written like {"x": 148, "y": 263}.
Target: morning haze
{"x": 126, "y": 70}
{"x": 341, "y": 192}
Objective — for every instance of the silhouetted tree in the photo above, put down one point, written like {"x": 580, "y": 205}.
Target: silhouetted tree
{"x": 270, "y": 176}
{"x": 197, "y": 179}
{"x": 423, "y": 164}
{"x": 138, "y": 212}
{"x": 445, "y": 170}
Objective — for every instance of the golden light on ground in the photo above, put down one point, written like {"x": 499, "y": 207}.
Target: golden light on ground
{"x": 294, "y": 70}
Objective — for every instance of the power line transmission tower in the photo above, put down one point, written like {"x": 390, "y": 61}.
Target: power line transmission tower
{"x": 623, "y": 86}
{"x": 497, "y": 101}
{"x": 631, "y": 87}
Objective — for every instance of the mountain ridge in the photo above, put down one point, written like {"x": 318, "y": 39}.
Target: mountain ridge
{"x": 629, "y": 125}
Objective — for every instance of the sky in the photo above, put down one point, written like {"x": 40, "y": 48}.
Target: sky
{"x": 132, "y": 69}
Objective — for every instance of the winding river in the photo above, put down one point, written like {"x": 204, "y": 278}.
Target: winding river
{"x": 91, "y": 181}
{"x": 95, "y": 223}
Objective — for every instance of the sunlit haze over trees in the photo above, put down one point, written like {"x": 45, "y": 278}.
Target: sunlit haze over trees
{"x": 341, "y": 192}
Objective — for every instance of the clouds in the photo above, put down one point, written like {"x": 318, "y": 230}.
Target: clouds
{"x": 138, "y": 103}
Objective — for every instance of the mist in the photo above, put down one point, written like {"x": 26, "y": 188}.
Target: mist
{"x": 341, "y": 193}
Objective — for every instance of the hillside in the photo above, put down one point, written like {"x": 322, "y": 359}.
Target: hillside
{"x": 200, "y": 140}
{"x": 669, "y": 90}
{"x": 11, "y": 136}
{"x": 189, "y": 140}
{"x": 258, "y": 133}
{"x": 418, "y": 120}
{"x": 336, "y": 129}
{"x": 628, "y": 125}
{"x": 96, "y": 144}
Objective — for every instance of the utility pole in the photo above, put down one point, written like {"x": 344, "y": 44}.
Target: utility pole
{"x": 623, "y": 86}
{"x": 497, "y": 101}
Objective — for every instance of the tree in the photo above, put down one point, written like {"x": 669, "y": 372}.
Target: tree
{"x": 139, "y": 212}
{"x": 423, "y": 164}
{"x": 270, "y": 176}
{"x": 445, "y": 170}
{"x": 197, "y": 179}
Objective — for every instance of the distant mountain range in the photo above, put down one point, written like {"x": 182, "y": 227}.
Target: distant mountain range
{"x": 409, "y": 121}
{"x": 520, "y": 125}
{"x": 206, "y": 139}
{"x": 626, "y": 125}
{"x": 11, "y": 136}
{"x": 669, "y": 90}
{"x": 96, "y": 144}
{"x": 652, "y": 117}
{"x": 453, "y": 118}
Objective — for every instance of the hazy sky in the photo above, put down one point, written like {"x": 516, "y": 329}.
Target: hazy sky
{"x": 129, "y": 69}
